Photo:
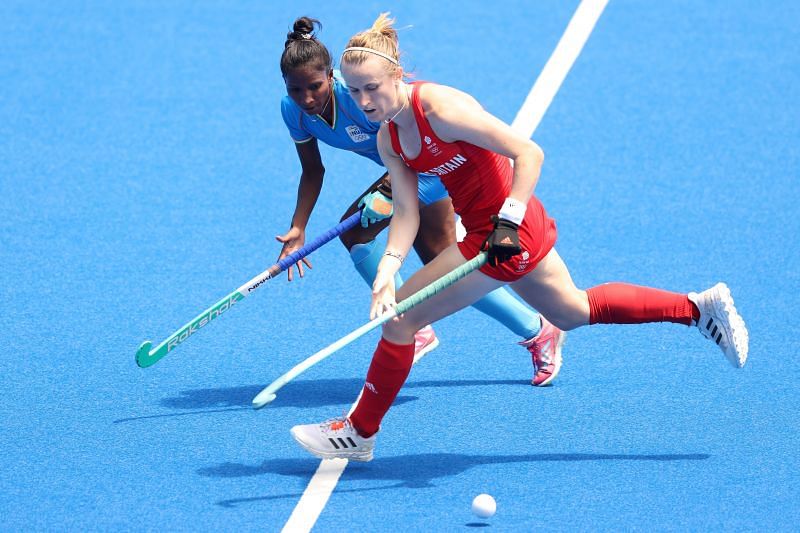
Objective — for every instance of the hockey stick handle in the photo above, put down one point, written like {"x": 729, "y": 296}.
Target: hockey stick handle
{"x": 145, "y": 357}
{"x": 268, "y": 394}
{"x": 328, "y": 236}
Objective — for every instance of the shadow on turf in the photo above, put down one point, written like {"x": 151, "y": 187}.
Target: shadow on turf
{"x": 306, "y": 393}
{"x": 412, "y": 471}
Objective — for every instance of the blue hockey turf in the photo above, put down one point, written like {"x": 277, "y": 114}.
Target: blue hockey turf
{"x": 145, "y": 171}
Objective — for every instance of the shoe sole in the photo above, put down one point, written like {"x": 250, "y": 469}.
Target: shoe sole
{"x": 423, "y": 352}
{"x": 734, "y": 325}
{"x": 354, "y": 456}
{"x": 557, "y": 363}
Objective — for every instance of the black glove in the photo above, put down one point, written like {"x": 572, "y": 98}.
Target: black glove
{"x": 503, "y": 242}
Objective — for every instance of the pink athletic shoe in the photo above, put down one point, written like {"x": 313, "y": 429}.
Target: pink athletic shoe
{"x": 545, "y": 349}
{"x": 424, "y": 341}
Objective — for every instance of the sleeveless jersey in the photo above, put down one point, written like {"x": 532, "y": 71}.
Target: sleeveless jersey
{"x": 478, "y": 181}
{"x": 351, "y": 131}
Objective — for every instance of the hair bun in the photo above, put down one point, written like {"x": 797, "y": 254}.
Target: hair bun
{"x": 302, "y": 48}
{"x": 303, "y": 29}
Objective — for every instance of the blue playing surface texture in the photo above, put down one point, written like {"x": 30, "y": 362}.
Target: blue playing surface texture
{"x": 145, "y": 170}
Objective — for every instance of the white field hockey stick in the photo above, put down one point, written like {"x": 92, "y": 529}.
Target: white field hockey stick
{"x": 268, "y": 394}
{"x": 145, "y": 357}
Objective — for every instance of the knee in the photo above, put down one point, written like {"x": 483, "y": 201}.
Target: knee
{"x": 572, "y": 315}
{"x": 352, "y": 237}
{"x": 430, "y": 243}
{"x": 347, "y": 240}
{"x": 400, "y": 331}
{"x": 564, "y": 323}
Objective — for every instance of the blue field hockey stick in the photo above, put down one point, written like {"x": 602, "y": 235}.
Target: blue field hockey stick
{"x": 145, "y": 357}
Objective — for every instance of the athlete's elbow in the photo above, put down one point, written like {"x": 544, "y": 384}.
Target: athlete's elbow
{"x": 313, "y": 175}
{"x": 531, "y": 157}
{"x": 536, "y": 153}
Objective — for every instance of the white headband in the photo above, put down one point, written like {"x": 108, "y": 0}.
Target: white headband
{"x": 387, "y": 57}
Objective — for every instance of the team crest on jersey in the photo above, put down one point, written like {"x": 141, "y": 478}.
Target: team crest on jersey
{"x": 523, "y": 263}
{"x": 431, "y": 146}
{"x": 356, "y": 134}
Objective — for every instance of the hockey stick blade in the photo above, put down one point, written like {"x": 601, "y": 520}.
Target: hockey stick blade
{"x": 269, "y": 393}
{"x": 145, "y": 357}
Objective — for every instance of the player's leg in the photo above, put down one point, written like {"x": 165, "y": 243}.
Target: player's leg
{"x": 550, "y": 288}
{"x": 360, "y": 241}
{"x": 437, "y": 231}
{"x": 460, "y": 294}
{"x": 353, "y": 437}
{"x": 366, "y": 254}
{"x": 392, "y": 359}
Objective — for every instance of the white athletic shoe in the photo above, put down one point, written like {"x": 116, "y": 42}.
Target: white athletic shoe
{"x": 720, "y": 322}
{"x": 334, "y": 439}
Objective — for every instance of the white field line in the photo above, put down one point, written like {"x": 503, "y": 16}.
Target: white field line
{"x": 557, "y": 67}
{"x": 316, "y": 495}
{"x": 527, "y": 120}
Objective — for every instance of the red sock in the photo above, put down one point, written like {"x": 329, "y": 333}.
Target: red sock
{"x": 387, "y": 373}
{"x": 623, "y": 303}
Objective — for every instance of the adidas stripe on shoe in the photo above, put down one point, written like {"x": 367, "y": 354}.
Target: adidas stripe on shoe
{"x": 334, "y": 439}
{"x": 721, "y": 322}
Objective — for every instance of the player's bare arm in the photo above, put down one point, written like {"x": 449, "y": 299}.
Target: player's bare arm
{"x": 457, "y": 116}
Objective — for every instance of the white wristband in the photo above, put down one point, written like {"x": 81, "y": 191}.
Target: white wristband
{"x": 513, "y": 211}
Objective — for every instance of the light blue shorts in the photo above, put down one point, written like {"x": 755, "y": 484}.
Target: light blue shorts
{"x": 431, "y": 189}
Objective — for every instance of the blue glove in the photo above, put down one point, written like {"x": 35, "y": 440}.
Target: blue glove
{"x": 375, "y": 206}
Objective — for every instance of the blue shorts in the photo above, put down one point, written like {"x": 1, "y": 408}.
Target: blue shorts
{"x": 431, "y": 189}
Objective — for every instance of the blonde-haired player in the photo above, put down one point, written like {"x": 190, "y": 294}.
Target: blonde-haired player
{"x": 441, "y": 130}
